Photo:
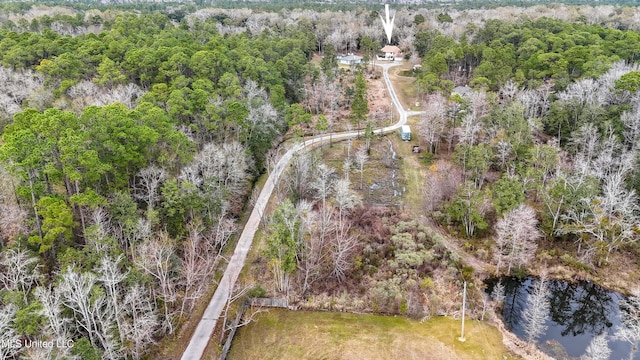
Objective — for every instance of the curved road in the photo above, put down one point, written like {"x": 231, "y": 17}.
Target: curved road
{"x": 207, "y": 324}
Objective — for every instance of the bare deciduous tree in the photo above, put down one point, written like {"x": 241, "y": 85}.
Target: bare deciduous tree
{"x": 360, "y": 159}
{"x": 509, "y": 90}
{"x": 94, "y": 315}
{"x": 223, "y": 168}
{"x": 583, "y": 93}
{"x": 272, "y": 158}
{"x": 516, "y": 236}
{"x": 631, "y": 121}
{"x": 503, "y": 152}
{"x": 323, "y": 186}
{"x": 346, "y": 168}
{"x": 150, "y": 179}
{"x": 433, "y": 122}
{"x": 52, "y": 310}
{"x": 441, "y": 184}
{"x": 345, "y": 242}
{"x": 87, "y": 93}
{"x": 321, "y": 93}
{"x": 323, "y": 183}
{"x": 607, "y": 221}
{"x": 537, "y": 310}
{"x": 15, "y": 87}
{"x": 338, "y": 39}
{"x": 299, "y": 174}
{"x": 155, "y": 257}
{"x": 263, "y": 117}
{"x": 191, "y": 174}
{"x": 221, "y": 233}
{"x": 469, "y": 130}
{"x": 10, "y": 343}
{"x": 345, "y": 199}
{"x": 312, "y": 254}
{"x": 480, "y": 104}
{"x": 630, "y": 329}
{"x": 343, "y": 248}
{"x": 598, "y": 348}
{"x": 20, "y": 272}
{"x": 97, "y": 233}
{"x": 141, "y": 321}
{"x": 111, "y": 276}
{"x": 536, "y": 102}
{"x": 498, "y": 293}
{"x": 197, "y": 264}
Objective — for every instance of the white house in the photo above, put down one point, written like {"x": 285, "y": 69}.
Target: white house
{"x": 350, "y": 59}
{"x": 390, "y": 52}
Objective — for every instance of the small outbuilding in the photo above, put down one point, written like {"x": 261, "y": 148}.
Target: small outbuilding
{"x": 350, "y": 59}
{"x": 405, "y": 132}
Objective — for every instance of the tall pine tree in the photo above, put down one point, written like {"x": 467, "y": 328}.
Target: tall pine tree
{"x": 360, "y": 105}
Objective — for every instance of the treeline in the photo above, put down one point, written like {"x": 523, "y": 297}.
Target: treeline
{"x": 530, "y": 53}
{"x": 190, "y": 5}
{"x": 188, "y": 72}
{"x": 126, "y": 157}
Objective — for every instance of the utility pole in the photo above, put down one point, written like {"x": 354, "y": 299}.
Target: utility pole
{"x": 464, "y": 302}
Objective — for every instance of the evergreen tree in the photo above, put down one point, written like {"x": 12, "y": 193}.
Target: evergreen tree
{"x": 329, "y": 62}
{"x": 360, "y": 105}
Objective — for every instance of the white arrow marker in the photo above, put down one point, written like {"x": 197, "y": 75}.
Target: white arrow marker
{"x": 386, "y": 24}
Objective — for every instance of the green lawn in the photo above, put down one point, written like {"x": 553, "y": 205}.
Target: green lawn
{"x": 281, "y": 334}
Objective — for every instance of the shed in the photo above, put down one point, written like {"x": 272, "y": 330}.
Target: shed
{"x": 405, "y": 132}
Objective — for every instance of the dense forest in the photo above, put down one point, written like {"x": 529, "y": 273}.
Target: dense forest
{"x": 126, "y": 156}
{"x": 554, "y": 114}
{"x": 131, "y": 143}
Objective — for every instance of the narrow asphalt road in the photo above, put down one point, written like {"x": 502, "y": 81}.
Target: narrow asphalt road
{"x": 207, "y": 323}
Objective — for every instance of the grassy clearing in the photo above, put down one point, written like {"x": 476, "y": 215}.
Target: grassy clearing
{"x": 382, "y": 182}
{"x": 404, "y": 86}
{"x": 282, "y": 334}
{"x": 413, "y": 171}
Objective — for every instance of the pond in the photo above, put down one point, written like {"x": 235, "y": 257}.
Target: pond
{"x": 578, "y": 312}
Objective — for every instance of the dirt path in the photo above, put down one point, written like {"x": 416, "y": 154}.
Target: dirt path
{"x": 414, "y": 173}
{"x": 481, "y": 268}
{"x": 202, "y": 334}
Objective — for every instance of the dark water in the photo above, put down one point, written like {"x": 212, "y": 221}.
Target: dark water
{"x": 578, "y": 312}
